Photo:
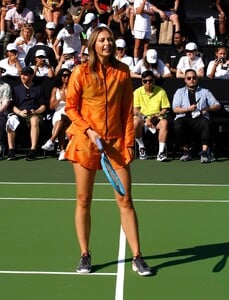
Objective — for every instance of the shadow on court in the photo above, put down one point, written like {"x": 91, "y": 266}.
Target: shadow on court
{"x": 188, "y": 255}
{"x": 194, "y": 254}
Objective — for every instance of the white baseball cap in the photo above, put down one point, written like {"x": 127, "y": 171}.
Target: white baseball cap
{"x": 11, "y": 47}
{"x": 50, "y": 25}
{"x": 151, "y": 56}
{"x": 191, "y": 46}
{"x": 120, "y": 43}
{"x": 89, "y": 17}
{"x": 40, "y": 53}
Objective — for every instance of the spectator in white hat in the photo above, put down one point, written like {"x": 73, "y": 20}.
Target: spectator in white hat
{"x": 70, "y": 35}
{"x": 121, "y": 53}
{"x": 50, "y": 32}
{"x": 190, "y": 61}
{"x": 118, "y": 21}
{"x": 153, "y": 63}
{"x": 68, "y": 60}
{"x": 11, "y": 65}
{"x": 42, "y": 67}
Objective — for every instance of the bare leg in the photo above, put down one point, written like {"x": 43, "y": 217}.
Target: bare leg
{"x": 84, "y": 182}
{"x": 127, "y": 212}
{"x": 34, "y": 131}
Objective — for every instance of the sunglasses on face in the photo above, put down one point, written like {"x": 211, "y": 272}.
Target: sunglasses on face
{"x": 65, "y": 75}
{"x": 147, "y": 80}
{"x": 120, "y": 49}
{"x": 191, "y": 78}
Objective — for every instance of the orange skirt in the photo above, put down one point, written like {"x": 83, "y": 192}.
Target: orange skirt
{"x": 80, "y": 149}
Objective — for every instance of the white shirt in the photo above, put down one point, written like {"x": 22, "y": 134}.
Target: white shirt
{"x": 161, "y": 68}
{"x": 222, "y": 71}
{"x": 10, "y": 69}
{"x": 23, "y": 49}
{"x": 17, "y": 19}
{"x": 185, "y": 63}
{"x": 71, "y": 40}
{"x": 128, "y": 60}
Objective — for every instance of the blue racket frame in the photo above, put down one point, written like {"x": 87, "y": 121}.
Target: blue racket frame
{"x": 108, "y": 170}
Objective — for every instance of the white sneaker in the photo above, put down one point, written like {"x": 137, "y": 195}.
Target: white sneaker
{"x": 161, "y": 156}
{"x": 48, "y": 146}
{"x": 142, "y": 153}
{"x": 62, "y": 155}
{"x": 2, "y": 35}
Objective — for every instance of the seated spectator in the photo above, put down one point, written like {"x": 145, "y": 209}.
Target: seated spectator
{"x": 70, "y": 36}
{"x": 5, "y": 100}
{"x": 41, "y": 45}
{"x": 151, "y": 105}
{"x": 60, "y": 121}
{"x": 6, "y": 5}
{"x": 24, "y": 42}
{"x": 121, "y": 53}
{"x": 42, "y": 67}
{"x": 15, "y": 19}
{"x": 68, "y": 60}
{"x": 192, "y": 105}
{"x": 52, "y": 10}
{"x": 50, "y": 30}
{"x": 167, "y": 10}
{"x": 28, "y": 106}
{"x": 153, "y": 63}
{"x": 175, "y": 52}
{"x": 90, "y": 22}
{"x": 190, "y": 61}
{"x": 11, "y": 65}
{"x": 219, "y": 67}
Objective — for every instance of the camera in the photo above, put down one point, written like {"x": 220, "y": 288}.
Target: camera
{"x": 221, "y": 60}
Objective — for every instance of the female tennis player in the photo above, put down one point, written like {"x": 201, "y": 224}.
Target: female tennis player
{"x": 100, "y": 105}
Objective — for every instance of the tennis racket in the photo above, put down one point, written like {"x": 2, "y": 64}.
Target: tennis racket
{"x": 109, "y": 170}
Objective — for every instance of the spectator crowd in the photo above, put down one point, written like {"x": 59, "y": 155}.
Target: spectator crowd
{"x": 41, "y": 46}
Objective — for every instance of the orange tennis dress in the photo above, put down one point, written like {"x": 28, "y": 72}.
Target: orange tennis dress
{"x": 106, "y": 108}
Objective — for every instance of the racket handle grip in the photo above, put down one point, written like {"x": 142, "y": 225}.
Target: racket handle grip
{"x": 99, "y": 144}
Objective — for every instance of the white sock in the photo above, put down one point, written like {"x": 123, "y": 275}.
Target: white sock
{"x": 140, "y": 142}
{"x": 161, "y": 147}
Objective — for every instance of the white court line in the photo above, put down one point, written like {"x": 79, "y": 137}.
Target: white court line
{"x": 121, "y": 266}
{"x": 54, "y": 273}
{"x": 113, "y": 200}
{"x": 134, "y": 184}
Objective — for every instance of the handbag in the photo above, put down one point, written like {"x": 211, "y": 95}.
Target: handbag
{"x": 166, "y": 33}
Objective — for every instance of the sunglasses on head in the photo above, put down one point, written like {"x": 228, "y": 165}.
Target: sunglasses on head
{"x": 191, "y": 78}
{"x": 147, "y": 80}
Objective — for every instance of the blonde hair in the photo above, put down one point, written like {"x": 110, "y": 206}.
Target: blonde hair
{"x": 27, "y": 26}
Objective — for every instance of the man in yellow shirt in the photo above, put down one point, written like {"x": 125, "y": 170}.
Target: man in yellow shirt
{"x": 151, "y": 105}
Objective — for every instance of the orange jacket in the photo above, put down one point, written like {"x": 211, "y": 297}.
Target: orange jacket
{"x": 106, "y": 108}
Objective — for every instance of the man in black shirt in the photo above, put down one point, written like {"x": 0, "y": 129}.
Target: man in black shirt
{"x": 176, "y": 52}
{"x": 28, "y": 106}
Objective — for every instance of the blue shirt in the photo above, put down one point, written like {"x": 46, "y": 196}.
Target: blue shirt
{"x": 203, "y": 96}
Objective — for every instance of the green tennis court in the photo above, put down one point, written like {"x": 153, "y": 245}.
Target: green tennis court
{"x": 183, "y": 213}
